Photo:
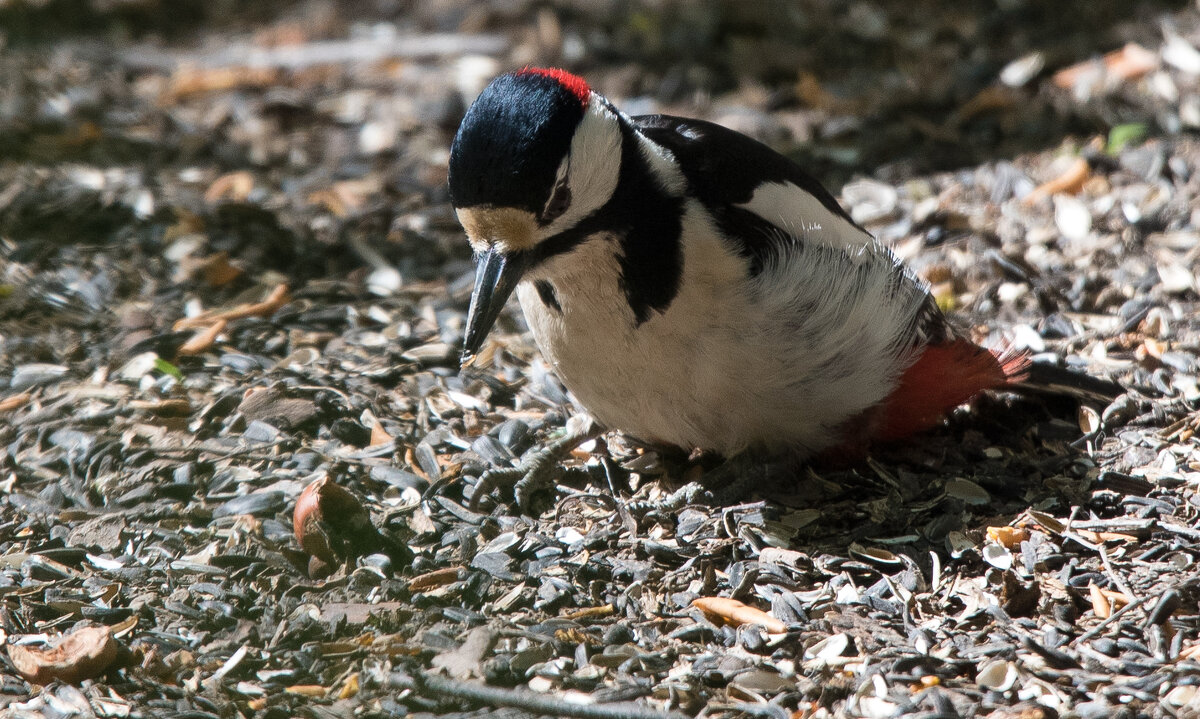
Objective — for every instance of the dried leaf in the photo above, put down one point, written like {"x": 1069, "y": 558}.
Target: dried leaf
{"x": 590, "y": 612}
{"x": 1192, "y": 652}
{"x": 83, "y": 654}
{"x": 466, "y": 660}
{"x": 1050, "y": 524}
{"x": 163, "y": 407}
{"x": 1101, "y": 537}
{"x": 349, "y": 687}
{"x": 217, "y": 271}
{"x": 191, "y": 80}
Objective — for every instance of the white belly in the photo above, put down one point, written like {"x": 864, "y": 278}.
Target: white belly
{"x": 777, "y": 362}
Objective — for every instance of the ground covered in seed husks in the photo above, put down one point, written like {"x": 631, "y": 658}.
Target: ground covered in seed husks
{"x": 229, "y": 271}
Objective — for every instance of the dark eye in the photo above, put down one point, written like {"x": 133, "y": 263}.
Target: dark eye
{"x": 559, "y": 201}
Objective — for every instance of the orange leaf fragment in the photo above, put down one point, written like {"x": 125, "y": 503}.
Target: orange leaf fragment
{"x": 235, "y": 186}
{"x": 1155, "y": 348}
{"x": 733, "y": 612}
{"x": 1128, "y": 63}
{"x": 203, "y": 340}
{"x": 379, "y": 435}
{"x": 343, "y": 197}
{"x": 192, "y": 80}
{"x": 15, "y": 401}
{"x": 1118, "y": 599}
{"x": 278, "y": 298}
{"x": 349, "y": 687}
{"x": 810, "y": 92}
{"x": 996, "y": 98}
{"x": 1191, "y": 652}
{"x": 1069, "y": 182}
{"x": 1010, "y": 537}
{"x": 83, "y": 654}
{"x": 1101, "y": 537}
{"x": 434, "y": 579}
{"x": 163, "y": 407}
{"x": 1101, "y": 607}
{"x": 1104, "y": 601}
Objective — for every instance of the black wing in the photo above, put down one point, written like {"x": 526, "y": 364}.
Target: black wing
{"x": 723, "y": 168}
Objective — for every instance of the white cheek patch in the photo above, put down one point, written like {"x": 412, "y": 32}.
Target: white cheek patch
{"x": 798, "y": 213}
{"x": 593, "y": 165}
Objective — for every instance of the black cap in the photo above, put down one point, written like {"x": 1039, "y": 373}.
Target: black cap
{"x": 510, "y": 143}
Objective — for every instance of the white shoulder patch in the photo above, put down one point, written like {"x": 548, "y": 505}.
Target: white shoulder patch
{"x": 797, "y": 212}
{"x": 662, "y": 163}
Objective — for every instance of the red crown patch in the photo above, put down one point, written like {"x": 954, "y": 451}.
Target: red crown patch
{"x": 574, "y": 84}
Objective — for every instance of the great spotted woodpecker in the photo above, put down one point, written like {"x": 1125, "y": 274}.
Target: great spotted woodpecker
{"x": 693, "y": 287}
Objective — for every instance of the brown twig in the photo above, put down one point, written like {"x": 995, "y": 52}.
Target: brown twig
{"x": 278, "y": 297}
{"x": 480, "y": 695}
{"x": 1099, "y": 628}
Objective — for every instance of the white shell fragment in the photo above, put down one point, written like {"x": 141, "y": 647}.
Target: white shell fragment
{"x": 998, "y": 556}
{"x": 998, "y": 675}
{"x": 829, "y": 647}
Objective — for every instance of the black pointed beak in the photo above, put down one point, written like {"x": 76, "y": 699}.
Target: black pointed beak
{"x": 496, "y": 276}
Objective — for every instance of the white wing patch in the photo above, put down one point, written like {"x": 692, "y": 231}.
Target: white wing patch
{"x": 798, "y": 213}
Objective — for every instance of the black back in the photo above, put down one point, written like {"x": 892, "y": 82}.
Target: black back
{"x": 723, "y": 168}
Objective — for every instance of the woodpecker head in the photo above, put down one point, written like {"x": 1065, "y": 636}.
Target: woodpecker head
{"x": 536, "y": 153}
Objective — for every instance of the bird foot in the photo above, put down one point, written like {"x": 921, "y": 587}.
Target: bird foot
{"x": 536, "y": 471}
{"x": 725, "y": 484}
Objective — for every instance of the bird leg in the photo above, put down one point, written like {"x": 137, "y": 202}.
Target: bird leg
{"x": 536, "y": 470}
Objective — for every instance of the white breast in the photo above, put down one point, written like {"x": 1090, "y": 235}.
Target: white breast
{"x": 775, "y": 361}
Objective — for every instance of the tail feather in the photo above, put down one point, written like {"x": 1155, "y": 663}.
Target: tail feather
{"x": 1045, "y": 378}
{"x": 943, "y": 377}
{"x": 948, "y": 374}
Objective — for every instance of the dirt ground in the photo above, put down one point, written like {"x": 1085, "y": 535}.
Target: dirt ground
{"x": 229, "y": 272}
